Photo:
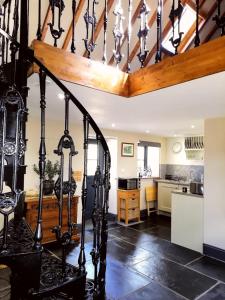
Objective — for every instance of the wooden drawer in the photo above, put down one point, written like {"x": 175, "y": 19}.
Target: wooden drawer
{"x": 131, "y": 203}
{"x": 132, "y": 213}
{"x": 128, "y": 194}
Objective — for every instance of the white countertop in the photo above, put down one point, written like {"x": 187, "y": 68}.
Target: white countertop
{"x": 180, "y": 192}
{"x": 185, "y": 183}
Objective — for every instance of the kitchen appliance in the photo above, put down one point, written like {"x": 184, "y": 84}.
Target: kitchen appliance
{"x": 128, "y": 183}
{"x": 196, "y": 188}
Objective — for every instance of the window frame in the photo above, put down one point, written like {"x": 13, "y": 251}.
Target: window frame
{"x": 145, "y": 145}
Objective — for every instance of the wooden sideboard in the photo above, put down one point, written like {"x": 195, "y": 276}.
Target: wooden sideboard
{"x": 50, "y": 215}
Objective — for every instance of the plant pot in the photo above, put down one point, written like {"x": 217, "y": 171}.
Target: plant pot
{"x": 48, "y": 187}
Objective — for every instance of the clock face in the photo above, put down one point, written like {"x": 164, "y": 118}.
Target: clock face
{"x": 177, "y": 147}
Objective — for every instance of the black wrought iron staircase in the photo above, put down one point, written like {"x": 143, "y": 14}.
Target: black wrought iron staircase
{"x": 36, "y": 273}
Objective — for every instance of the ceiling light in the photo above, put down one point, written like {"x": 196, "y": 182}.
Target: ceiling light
{"x": 113, "y": 125}
{"x": 192, "y": 126}
{"x": 61, "y": 96}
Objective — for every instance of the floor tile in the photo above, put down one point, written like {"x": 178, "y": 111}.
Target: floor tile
{"x": 73, "y": 255}
{"x": 125, "y": 252}
{"x": 211, "y": 267}
{"x": 120, "y": 280}
{"x": 171, "y": 251}
{"x": 152, "y": 221}
{"x": 153, "y": 291}
{"x": 130, "y": 235}
{"x": 180, "y": 279}
{"x": 160, "y": 231}
{"x": 217, "y": 293}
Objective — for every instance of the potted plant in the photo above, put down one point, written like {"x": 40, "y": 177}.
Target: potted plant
{"x": 51, "y": 169}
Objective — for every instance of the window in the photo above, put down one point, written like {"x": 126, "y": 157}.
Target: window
{"x": 148, "y": 159}
{"x": 188, "y": 19}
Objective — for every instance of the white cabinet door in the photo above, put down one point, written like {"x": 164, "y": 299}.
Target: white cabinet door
{"x": 164, "y": 196}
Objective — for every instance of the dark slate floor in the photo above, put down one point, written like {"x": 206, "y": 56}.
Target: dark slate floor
{"x": 143, "y": 264}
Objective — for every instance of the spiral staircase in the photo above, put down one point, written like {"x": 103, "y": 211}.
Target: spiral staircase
{"x": 35, "y": 272}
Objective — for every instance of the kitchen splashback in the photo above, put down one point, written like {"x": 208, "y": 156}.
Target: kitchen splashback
{"x": 190, "y": 172}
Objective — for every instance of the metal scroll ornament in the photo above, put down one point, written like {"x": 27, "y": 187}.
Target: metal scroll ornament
{"x": 143, "y": 32}
{"x": 56, "y": 30}
{"x": 220, "y": 20}
{"x": 118, "y": 32}
{"x": 175, "y": 14}
{"x": 90, "y": 21}
{"x": 65, "y": 187}
{"x": 12, "y": 148}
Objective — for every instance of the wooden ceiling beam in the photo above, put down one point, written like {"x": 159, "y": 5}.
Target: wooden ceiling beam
{"x": 44, "y": 28}
{"x": 134, "y": 18}
{"x": 201, "y": 61}
{"x": 75, "y": 20}
{"x": 100, "y": 24}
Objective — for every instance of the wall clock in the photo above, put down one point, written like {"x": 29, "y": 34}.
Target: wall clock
{"x": 177, "y": 147}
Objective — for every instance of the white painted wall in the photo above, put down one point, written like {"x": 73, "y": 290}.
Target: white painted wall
{"x": 214, "y": 183}
{"x": 178, "y": 158}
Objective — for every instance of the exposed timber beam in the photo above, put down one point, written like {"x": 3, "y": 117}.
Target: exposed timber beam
{"x": 207, "y": 59}
{"x": 198, "y": 62}
{"x": 44, "y": 29}
{"x": 75, "y": 20}
{"x": 100, "y": 24}
{"x": 80, "y": 70}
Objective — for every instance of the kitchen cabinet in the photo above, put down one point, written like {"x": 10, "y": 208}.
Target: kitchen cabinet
{"x": 128, "y": 205}
{"x": 164, "y": 196}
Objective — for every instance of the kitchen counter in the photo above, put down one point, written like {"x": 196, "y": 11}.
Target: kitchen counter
{"x": 180, "y": 192}
{"x": 187, "y": 220}
{"x": 184, "y": 183}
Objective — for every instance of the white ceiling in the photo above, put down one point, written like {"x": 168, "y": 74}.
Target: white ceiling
{"x": 165, "y": 112}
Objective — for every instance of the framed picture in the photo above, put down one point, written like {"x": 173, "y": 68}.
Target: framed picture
{"x": 127, "y": 149}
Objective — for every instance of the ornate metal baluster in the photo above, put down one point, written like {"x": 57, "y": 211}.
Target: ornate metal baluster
{"x": 197, "y": 38}
{"x": 42, "y": 162}
{"x": 12, "y": 149}
{"x": 104, "y": 229}
{"x": 82, "y": 258}
{"x": 56, "y": 32}
{"x": 1, "y": 37}
{"x": 129, "y": 35}
{"x": 143, "y": 32}
{"x": 7, "y": 29}
{"x": 118, "y": 32}
{"x": 104, "y": 58}
{"x": 39, "y": 33}
{"x": 220, "y": 20}
{"x": 158, "y": 56}
{"x": 97, "y": 215}
{"x": 15, "y": 20}
{"x": 90, "y": 21}
{"x": 74, "y": 5}
{"x": 176, "y": 14}
{"x": 63, "y": 187}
